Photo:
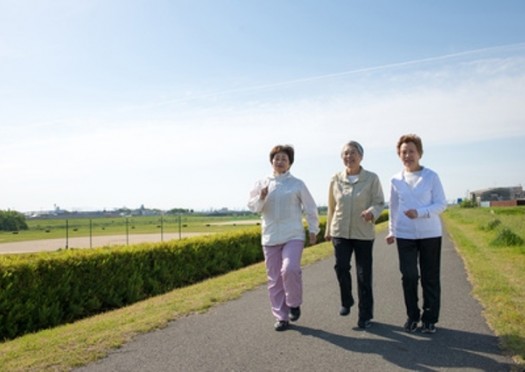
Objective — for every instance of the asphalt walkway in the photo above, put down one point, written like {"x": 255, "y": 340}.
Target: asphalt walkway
{"x": 239, "y": 335}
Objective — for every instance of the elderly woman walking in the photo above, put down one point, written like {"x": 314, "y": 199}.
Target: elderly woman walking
{"x": 416, "y": 201}
{"x": 281, "y": 199}
{"x": 355, "y": 201}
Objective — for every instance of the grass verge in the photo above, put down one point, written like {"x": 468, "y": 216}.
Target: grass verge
{"x": 497, "y": 272}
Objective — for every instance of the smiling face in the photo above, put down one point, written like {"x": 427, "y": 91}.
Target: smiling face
{"x": 409, "y": 155}
{"x": 351, "y": 159}
{"x": 281, "y": 163}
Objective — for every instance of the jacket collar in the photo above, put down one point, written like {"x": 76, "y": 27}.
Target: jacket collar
{"x": 343, "y": 177}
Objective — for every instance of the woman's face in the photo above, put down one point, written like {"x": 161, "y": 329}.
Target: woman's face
{"x": 351, "y": 157}
{"x": 409, "y": 156}
{"x": 281, "y": 163}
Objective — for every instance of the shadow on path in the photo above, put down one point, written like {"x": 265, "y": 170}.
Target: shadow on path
{"x": 446, "y": 348}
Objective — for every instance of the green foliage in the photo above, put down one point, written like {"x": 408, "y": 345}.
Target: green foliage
{"x": 509, "y": 211}
{"x": 43, "y": 290}
{"x": 493, "y": 224}
{"x": 496, "y": 268}
{"x": 382, "y": 217}
{"x": 507, "y": 238}
{"x": 467, "y": 203}
{"x": 12, "y": 221}
{"x": 176, "y": 211}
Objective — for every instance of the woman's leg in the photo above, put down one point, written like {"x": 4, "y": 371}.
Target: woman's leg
{"x": 408, "y": 258}
{"x": 343, "y": 255}
{"x": 430, "y": 262}
{"x": 273, "y": 261}
{"x": 291, "y": 272}
{"x": 363, "y": 259}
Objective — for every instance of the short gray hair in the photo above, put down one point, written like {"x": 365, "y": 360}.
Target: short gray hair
{"x": 356, "y": 145}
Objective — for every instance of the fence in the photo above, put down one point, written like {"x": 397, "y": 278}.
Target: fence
{"x": 127, "y": 230}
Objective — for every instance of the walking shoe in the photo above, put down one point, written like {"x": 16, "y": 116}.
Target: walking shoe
{"x": 295, "y": 313}
{"x": 362, "y": 323}
{"x": 344, "y": 311}
{"x": 410, "y": 325}
{"x": 428, "y": 327}
{"x": 281, "y": 325}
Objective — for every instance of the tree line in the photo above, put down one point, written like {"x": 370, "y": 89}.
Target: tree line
{"x": 12, "y": 221}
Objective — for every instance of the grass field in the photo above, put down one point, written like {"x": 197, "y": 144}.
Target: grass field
{"x": 82, "y": 227}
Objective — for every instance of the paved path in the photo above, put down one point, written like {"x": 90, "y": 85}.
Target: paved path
{"x": 239, "y": 335}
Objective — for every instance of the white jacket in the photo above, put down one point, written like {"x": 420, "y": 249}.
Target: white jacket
{"x": 426, "y": 196}
{"x": 282, "y": 209}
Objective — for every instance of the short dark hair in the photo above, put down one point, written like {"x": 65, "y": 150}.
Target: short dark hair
{"x": 415, "y": 139}
{"x": 287, "y": 149}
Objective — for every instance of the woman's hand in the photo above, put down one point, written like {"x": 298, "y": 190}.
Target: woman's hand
{"x": 313, "y": 238}
{"x": 390, "y": 239}
{"x": 367, "y": 216}
{"x": 264, "y": 193}
{"x": 411, "y": 213}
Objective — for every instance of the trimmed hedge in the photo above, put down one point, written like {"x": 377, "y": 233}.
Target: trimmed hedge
{"x": 43, "y": 290}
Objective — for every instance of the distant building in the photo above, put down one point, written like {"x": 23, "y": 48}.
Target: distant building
{"x": 499, "y": 196}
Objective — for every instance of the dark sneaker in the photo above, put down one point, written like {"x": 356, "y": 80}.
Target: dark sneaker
{"x": 281, "y": 325}
{"x": 344, "y": 311}
{"x": 295, "y": 313}
{"x": 362, "y": 323}
{"x": 428, "y": 327}
{"x": 410, "y": 325}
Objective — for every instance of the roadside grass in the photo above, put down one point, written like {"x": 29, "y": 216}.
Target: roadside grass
{"x": 104, "y": 226}
{"x": 496, "y": 271}
{"x": 76, "y": 344}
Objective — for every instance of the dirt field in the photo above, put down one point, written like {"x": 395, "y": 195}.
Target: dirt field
{"x": 98, "y": 241}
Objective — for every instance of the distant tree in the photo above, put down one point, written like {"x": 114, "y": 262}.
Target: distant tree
{"x": 12, "y": 221}
{"x": 467, "y": 203}
{"x": 180, "y": 211}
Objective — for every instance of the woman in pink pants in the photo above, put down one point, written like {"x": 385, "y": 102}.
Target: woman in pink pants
{"x": 282, "y": 199}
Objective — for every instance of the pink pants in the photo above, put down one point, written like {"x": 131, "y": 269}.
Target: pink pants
{"x": 285, "y": 283}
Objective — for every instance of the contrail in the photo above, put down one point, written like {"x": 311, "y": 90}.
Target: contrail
{"x": 379, "y": 68}
{"x": 502, "y": 48}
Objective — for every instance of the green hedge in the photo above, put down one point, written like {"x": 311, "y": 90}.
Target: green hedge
{"x": 43, "y": 290}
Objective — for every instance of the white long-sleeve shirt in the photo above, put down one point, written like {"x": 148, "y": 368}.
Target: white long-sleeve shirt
{"x": 425, "y": 194}
{"x": 283, "y": 208}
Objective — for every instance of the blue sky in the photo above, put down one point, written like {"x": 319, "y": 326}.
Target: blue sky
{"x": 176, "y": 104}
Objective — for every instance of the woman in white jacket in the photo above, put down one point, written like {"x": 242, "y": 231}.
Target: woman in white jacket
{"x": 416, "y": 201}
{"x": 282, "y": 199}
